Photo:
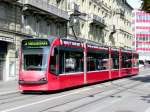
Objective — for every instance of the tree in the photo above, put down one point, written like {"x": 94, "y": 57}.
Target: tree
{"x": 145, "y": 6}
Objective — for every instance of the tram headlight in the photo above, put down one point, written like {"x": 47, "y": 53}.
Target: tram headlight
{"x": 21, "y": 79}
{"x": 43, "y": 79}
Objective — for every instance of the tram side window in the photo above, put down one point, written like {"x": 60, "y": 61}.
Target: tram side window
{"x": 129, "y": 62}
{"x": 135, "y": 61}
{"x": 126, "y": 61}
{"x": 115, "y": 61}
{"x": 123, "y": 65}
{"x": 70, "y": 62}
{"x": 97, "y": 61}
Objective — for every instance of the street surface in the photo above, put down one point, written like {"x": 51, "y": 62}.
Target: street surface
{"x": 131, "y": 94}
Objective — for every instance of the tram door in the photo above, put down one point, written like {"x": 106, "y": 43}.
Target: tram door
{"x": 3, "y": 52}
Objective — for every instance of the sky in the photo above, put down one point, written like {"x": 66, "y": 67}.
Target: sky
{"x": 135, "y": 3}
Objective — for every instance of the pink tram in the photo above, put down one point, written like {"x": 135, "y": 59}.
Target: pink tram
{"x": 58, "y": 63}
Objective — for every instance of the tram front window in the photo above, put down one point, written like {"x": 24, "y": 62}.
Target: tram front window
{"x": 35, "y": 59}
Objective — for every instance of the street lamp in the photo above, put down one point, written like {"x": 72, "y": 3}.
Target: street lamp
{"x": 74, "y": 20}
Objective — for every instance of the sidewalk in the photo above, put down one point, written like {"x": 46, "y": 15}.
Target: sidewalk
{"x": 8, "y": 87}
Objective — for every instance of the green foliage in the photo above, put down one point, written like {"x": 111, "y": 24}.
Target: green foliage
{"x": 145, "y": 6}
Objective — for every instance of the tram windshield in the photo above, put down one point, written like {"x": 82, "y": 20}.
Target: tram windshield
{"x": 35, "y": 58}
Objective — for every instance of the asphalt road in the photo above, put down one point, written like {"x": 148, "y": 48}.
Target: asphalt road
{"x": 131, "y": 94}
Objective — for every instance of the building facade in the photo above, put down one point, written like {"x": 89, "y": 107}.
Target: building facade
{"x": 21, "y": 19}
{"x": 104, "y": 21}
{"x": 10, "y": 37}
{"x": 141, "y": 29}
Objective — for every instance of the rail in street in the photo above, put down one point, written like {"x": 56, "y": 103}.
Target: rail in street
{"x": 131, "y": 94}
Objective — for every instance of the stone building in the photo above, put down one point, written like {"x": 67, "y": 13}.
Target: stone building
{"x": 20, "y": 19}
{"x": 10, "y": 36}
{"x": 104, "y": 21}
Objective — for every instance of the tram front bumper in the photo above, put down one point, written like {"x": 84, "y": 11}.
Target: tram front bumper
{"x": 33, "y": 85}
{"x": 33, "y": 82}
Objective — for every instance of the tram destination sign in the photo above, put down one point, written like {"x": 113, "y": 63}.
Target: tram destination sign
{"x": 71, "y": 43}
{"x": 35, "y": 42}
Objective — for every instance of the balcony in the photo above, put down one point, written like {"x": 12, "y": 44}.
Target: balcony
{"x": 97, "y": 2}
{"x": 98, "y": 20}
{"x": 120, "y": 11}
{"x": 44, "y": 7}
{"x": 73, "y": 7}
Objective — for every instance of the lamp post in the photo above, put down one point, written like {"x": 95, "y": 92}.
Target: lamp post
{"x": 74, "y": 20}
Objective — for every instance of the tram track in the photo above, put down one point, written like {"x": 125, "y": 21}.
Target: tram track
{"x": 118, "y": 91}
{"x": 19, "y": 98}
{"x": 12, "y": 97}
{"x": 9, "y": 98}
{"x": 116, "y": 88}
{"x": 9, "y": 94}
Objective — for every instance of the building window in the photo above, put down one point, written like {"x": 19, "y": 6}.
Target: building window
{"x": 82, "y": 28}
{"x": 37, "y": 26}
{"x": 58, "y": 2}
{"x": 82, "y": 2}
{"x": 98, "y": 10}
{"x": 49, "y": 29}
{"x": 94, "y": 8}
{"x": 12, "y": 69}
{"x": 102, "y": 12}
{"x": 90, "y": 6}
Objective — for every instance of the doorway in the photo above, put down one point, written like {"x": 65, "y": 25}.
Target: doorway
{"x": 3, "y": 52}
